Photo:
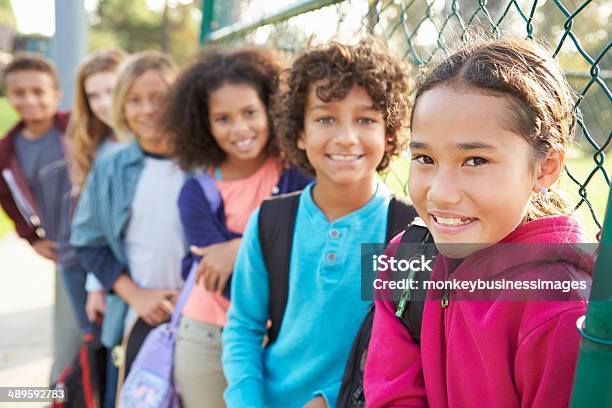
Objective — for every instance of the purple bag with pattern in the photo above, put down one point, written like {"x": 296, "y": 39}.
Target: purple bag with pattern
{"x": 150, "y": 383}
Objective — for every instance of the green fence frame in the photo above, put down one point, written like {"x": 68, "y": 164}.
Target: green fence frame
{"x": 593, "y": 378}
{"x": 241, "y": 28}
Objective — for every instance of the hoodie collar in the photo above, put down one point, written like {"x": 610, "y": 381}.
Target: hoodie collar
{"x": 546, "y": 240}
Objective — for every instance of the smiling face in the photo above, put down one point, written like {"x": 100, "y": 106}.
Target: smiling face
{"x": 99, "y": 92}
{"x": 344, "y": 140}
{"x": 470, "y": 177}
{"x": 142, "y": 107}
{"x": 239, "y": 121}
{"x": 33, "y": 94}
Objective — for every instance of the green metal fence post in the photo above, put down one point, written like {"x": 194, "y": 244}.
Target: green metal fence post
{"x": 208, "y": 9}
{"x": 593, "y": 378}
{"x": 296, "y": 8}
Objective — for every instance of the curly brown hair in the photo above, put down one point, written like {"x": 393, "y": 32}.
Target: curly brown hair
{"x": 187, "y": 115}
{"x": 341, "y": 67}
{"x": 524, "y": 72}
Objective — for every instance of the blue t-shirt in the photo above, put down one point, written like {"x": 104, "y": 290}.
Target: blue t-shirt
{"x": 44, "y": 165}
{"x": 323, "y": 314}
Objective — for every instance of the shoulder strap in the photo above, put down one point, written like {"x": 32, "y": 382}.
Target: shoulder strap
{"x": 412, "y": 318}
{"x": 276, "y": 224}
{"x": 211, "y": 192}
{"x": 182, "y": 299}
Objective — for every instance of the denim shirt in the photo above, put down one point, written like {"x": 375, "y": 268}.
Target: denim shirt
{"x": 203, "y": 227}
{"x": 104, "y": 206}
{"x": 98, "y": 226}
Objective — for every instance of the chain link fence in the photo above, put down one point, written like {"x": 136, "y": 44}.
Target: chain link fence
{"x": 421, "y": 30}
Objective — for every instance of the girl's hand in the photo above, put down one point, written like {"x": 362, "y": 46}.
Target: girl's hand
{"x": 217, "y": 264}
{"x": 96, "y": 304}
{"x": 46, "y": 249}
{"x": 152, "y": 305}
{"x": 317, "y": 402}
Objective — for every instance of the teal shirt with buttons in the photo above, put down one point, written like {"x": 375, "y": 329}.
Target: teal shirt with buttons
{"x": 323, "y": 314}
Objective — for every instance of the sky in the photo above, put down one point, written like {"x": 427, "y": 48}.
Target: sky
{"x": 42, "y": 21}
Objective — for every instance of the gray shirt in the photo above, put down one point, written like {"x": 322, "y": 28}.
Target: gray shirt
{"x": 44, "y": 165}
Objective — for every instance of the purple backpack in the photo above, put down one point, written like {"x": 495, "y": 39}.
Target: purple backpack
{"x": 150, "y": 383}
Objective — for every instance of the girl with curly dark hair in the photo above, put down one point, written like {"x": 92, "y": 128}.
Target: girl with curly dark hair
{"x": 341, "y": 116}
{"x": 219, "y": 116}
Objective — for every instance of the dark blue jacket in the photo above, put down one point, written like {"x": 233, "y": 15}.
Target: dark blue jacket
{"x": 202, "y": 227}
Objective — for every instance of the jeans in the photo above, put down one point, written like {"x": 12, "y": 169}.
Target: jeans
{"x": 66, "y": 334}
{"x": 74, "y": 280}
{"x": 112, "y": 375}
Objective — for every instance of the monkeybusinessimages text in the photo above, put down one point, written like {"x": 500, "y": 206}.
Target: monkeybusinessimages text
{"x": 385, "y": 263}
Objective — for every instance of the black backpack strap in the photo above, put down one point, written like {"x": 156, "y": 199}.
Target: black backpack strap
{"x": 276, "y": 224}
{"x": 399, "y": 216}
{"x": 412, "y": 317}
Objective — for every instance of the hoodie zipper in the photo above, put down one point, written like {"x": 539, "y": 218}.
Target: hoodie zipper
{"x": 445, "y": 298}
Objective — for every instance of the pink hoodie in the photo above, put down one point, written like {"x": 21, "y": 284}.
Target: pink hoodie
{"x": 484, "y": 353}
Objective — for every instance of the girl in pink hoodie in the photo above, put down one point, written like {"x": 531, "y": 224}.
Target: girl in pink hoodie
{"x": 490, "y": 126}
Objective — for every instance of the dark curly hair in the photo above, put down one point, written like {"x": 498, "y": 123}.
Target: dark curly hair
{"x": 341, "y": 67}
{"x": 186, "y": 117}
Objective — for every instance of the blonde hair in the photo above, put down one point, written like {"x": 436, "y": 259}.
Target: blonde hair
{"x": 133, "y": 68}
{"x": 86, "y": 131}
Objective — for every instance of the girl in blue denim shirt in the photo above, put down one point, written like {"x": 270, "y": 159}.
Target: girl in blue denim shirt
{"x": 126, "y": 226}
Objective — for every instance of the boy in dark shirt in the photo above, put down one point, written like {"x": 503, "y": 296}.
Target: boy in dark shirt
{"x": 35, "y": 190}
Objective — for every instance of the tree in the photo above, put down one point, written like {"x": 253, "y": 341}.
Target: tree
{"x": 6, "y": 14}
{"x": 131, "y": 25}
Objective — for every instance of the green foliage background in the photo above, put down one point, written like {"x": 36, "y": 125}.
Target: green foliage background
{"x": 132, "y": 26}
{"x": 7, "y": 119}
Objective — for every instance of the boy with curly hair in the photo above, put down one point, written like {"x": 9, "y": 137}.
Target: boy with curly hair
{"x": 341, "y": 117}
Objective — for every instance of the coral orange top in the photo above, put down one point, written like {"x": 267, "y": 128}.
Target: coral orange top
{"x": 240, "y": 199}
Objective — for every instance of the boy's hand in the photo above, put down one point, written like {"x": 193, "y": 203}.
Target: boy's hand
{"x": 96, "y": 305}
{"x": 152, "y": 305}
{"x": 46, "y": 249}
{"x": 317, "y": 402}
{"x": 217, "y": 264}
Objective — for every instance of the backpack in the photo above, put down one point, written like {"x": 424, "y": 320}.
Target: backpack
{"x": 276, "y": 224}
{"x": 351, "y": 393}
{"x": 150, "y": 381}
{"x": 83, "y": 381}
